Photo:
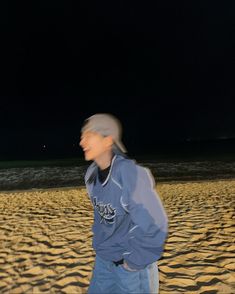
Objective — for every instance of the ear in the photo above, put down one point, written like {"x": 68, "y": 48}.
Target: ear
{"x": 109, "y": 141}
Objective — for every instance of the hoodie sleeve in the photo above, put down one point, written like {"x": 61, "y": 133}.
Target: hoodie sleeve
{"x": 146, "y": 237}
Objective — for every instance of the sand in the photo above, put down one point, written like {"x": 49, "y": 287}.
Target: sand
{"x": 45, "y": 239}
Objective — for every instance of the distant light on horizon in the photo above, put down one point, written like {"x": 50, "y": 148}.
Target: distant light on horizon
{"x": 225, "y": 137}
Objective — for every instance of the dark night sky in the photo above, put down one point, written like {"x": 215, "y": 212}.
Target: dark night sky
{"x": 165, "y": 68}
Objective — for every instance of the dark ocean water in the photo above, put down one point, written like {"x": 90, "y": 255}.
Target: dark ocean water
{"x": 19, "y": 178}
{"x": 187, "y": 161}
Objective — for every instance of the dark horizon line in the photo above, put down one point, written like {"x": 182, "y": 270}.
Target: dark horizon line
{"x": 163, "y": 148}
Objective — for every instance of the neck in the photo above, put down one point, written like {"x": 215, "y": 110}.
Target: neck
{"x": 104, "y": 160}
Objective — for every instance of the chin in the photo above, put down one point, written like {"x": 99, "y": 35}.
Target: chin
{"x": 88, "y": 158}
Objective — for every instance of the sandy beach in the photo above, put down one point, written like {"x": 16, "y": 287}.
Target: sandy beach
{"x": 45, "y": 239}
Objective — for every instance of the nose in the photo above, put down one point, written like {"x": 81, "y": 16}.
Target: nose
{"x": 81, "y": 142}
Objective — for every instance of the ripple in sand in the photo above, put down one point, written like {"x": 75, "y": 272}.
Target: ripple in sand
{"x": 45, "y": 240}
{"x": 204, "y": 250}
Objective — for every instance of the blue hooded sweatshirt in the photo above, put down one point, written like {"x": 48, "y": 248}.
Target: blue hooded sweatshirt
{"x": 130, "y": 222}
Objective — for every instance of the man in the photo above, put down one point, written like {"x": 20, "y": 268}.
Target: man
{"x": 130, "y": 224}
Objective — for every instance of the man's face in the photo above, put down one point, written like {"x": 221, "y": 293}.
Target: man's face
{"x": 94, "y": 145}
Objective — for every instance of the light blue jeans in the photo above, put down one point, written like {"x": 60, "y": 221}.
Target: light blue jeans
{"x": 108, "y": 278}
